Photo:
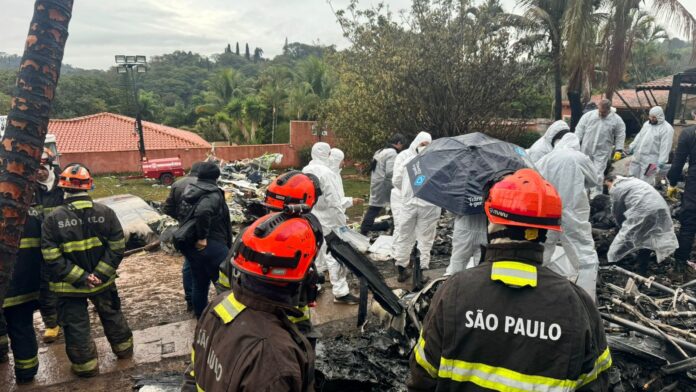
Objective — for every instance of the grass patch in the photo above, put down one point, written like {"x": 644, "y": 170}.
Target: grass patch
{"x": 105, "y": 186}
{"x": 355, "y": 185}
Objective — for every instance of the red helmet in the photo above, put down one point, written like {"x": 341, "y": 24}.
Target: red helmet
{"x": 76, "y": 176}
{"x": 524, "y": 199}
{"x": 279, "y": 247}
{"x": 293, "y": 187}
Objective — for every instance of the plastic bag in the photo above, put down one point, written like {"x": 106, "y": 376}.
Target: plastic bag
{"x": 357, "y": 240}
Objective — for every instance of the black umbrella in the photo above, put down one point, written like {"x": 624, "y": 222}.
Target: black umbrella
{"x": 452, "y": 171}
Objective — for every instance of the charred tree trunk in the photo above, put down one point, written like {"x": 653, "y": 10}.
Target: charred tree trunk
{"x": 27, "y": 123}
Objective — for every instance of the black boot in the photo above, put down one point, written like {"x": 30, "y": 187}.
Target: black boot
{"x": 403, "y": 274}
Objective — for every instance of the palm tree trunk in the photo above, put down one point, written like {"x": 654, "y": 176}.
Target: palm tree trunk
{"x": 22, "y": 144}
{"x": 575, "y": 84}
{"x": 616, "y": 64}
{"x": 557, "y": 81}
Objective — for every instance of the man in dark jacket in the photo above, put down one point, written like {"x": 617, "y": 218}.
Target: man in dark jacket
{"x": 686, "y": 150}
{"x": 382, "y": 169}
{"x": 244, "y": 340}
{"x": 82, "y": 244}
{"x": 511, "y": 324}
{"x": 213, "y": 232}
{"x": 175, "y": 207}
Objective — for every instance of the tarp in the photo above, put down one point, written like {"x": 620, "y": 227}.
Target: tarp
{"x": 452, "y": 171}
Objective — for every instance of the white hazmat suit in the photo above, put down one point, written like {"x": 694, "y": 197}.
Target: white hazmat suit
{"x": 470, "y": 233}
{"x": 599, "y": 137}
{"x": 418, "y": 218}
{"x": 645, "y": 220}
{"x": 651, "y": 146}
{"x": 329, "y": 211}
{"x": 543, "y": 146}
{"x": 571, "y": 172}
{"x": 335, "y": 159}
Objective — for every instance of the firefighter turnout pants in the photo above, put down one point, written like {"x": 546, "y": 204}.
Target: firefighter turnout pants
{"x": 48, "y": 302}
{"x": 79, "y": 345}
{"x": 22, "y": 338}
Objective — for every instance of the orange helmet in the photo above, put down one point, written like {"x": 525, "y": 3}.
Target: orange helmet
{"x": 278, "y": 247}
{"x": 524, "y": 199}
{"x": 293, "y": 187}
{"x": 76, "y": 176}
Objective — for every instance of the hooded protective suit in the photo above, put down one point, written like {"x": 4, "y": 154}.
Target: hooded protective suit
{"x": 329, "y": 211}
{"x": 396, "y": 201}
{"x": 598, "y": 137}
{"x": 470, "y": 233}
{"x": 381, "y": 178}
{"x": 418, "y": 218}
{"x": 645, "y": 220}
{"x": 544, "y": 146}
{"x": 571, "y": 173}
{"x": 335, "y": 159}
{"x": 651, "y": 147}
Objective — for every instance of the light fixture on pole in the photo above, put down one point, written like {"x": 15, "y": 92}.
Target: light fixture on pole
{"x": 134, "y": 65}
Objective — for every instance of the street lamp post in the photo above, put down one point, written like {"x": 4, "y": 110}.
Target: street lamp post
{"x": 133, "y": 65}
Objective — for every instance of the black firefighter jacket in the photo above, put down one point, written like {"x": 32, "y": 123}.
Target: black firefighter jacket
{"x": 174, "y": 206}
{"x": 26, "y": 277}
{"x": 510, "y": 324}
{"x": 210, "y": 211}
{"x": 81, "y": 238}
{"x": 686, "y": 150}
{"x": 246, "y": 343}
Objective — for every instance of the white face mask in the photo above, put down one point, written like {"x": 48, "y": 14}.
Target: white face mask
{"x": 420, "y": 149}
{"x": 50, "y": 180}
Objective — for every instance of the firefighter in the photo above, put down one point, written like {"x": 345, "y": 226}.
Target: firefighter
{"x": 82, "y": 244}
{"x": 244, "y": 339}
{"x": 25, "y": 286}
{"x": 287, "y": 191}
{"x": 510, "y": 324}
{"x": 48, "y": 197}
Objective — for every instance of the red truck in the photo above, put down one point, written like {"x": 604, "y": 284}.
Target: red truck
{"x": 165, "y": 170}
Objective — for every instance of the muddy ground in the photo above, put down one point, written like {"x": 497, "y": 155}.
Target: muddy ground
{"x": 151, "y": 293}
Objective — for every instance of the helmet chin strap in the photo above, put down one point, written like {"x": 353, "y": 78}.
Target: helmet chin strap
{"x": 50, "y": 181}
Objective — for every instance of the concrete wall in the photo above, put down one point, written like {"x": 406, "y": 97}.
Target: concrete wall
{"x": 301, "y": 137}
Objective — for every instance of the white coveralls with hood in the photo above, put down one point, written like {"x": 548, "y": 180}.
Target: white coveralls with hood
{"x": 329, "y": 211}
{"x": 418, "y": 218}
{"x": 571, "y": 172}
{"x": 543, "y": 146}
{"x": 599, "y": 137}
{"x": 335, "y": 159}
{"x": 651, "y": 146}
{"x": 645, "y": 220}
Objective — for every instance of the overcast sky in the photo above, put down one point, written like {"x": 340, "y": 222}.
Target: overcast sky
{"x": 102, "y": 28}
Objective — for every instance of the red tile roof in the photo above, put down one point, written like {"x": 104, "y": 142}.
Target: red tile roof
{"x": 662, "y": 83}
{"x": 636, "y": 100}
{"x": 113, "y": 132}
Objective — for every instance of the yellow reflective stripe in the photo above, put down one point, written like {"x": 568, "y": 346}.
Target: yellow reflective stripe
{"x": 82, "y": 245}
{"x": 104, "y": 268}
{"x": 223, "y": 280}
{"x": 193, "y": 362}
{"x": 27, "y": 363}
{"x": 601, "y": 364}
{"x": 29, "y": 242}
{"x": 117, "y": 245}
{"x": 499, "y": 378}
{"x": 67, "y": 288}
{"x": 85, "y": 367}
{"x": 514, "y": 273}
{"x": 82, "y": 204}
{"x": 123, "y": 346}
{"x": 50, "y": 254}
{"x": 48, "y": 210}
{"x": 20, "y": 299}
{"x": 198, "y": 387}
{"x": 305, "y": 315}
{"x": 229, "y": 308}
{"x": 74, "y": 274}
{"x": 419, "y": 353}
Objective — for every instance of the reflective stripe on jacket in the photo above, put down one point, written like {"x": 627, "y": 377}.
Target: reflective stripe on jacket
{"x": 81, "y": 238}
{"x": 511, "y": 325}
